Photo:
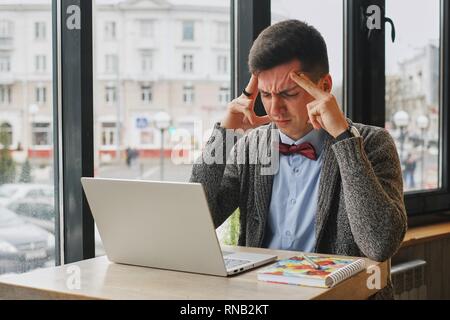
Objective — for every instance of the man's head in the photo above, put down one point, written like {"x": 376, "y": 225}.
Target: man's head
{"x": 287, "y": 46}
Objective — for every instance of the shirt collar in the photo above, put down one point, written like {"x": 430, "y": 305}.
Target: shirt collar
{"x": 315, "y": 137}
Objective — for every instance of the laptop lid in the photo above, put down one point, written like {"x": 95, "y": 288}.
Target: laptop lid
{"x": 156, "y": 224}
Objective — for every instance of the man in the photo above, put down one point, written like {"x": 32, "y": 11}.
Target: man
{"x": 338, "y": 188}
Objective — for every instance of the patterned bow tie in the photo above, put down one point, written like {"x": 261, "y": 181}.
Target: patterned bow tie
{"x": 306, "y": 149}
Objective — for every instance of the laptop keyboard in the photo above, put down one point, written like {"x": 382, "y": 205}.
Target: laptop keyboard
{"x": 231, "y": 263}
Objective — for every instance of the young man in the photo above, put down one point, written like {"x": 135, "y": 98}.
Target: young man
{"x": 338, "y": 188}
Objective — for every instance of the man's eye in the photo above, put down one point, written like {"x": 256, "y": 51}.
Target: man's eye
{"x": 266, "y": 95}
{"x": 290, "y": 95}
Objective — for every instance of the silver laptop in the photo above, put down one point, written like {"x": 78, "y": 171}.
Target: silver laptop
{"x": 163, "y": 225}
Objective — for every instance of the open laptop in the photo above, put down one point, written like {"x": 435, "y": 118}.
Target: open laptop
{"x": 163, "y": 225}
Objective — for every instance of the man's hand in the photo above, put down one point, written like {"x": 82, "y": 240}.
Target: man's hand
{"x": 240, "y": 113}
{"x": 324, "y": 111}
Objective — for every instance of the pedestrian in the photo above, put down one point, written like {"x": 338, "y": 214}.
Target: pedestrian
{"x": 128, "y": 156}
{"x": 408, "y": 172}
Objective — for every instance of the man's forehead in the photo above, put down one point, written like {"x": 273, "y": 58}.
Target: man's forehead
{"x": 278, "y": 79}
{"x": 276, "y": 84}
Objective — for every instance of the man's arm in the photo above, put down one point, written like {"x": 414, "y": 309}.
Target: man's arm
{"x": 220, "y": 180}
{"x": 373, "y": 193}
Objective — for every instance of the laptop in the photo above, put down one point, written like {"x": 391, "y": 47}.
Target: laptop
{"x": 164, "y": 225}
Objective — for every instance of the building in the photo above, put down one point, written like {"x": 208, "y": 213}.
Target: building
{"x": 415, "y": 89}
{"x": 149, "y": 56}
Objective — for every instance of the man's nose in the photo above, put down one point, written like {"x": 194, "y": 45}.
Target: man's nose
{"x": 277, "y": 106}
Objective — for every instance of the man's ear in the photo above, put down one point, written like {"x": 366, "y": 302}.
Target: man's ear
{"x": 327, "y": 83}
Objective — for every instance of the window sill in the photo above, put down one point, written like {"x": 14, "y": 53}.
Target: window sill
{"x": 425, "y": 233}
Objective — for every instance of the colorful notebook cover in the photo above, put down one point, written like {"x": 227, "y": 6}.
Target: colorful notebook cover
{"x": 296, "y": 270}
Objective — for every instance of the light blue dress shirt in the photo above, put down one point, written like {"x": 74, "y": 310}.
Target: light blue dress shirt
{"x": 291, "y": 220}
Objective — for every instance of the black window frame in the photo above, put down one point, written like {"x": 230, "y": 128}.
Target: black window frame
{"x": 73, "y": 130}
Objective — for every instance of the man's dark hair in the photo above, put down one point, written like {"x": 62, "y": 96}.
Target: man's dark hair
{"x": 286, "y": 41}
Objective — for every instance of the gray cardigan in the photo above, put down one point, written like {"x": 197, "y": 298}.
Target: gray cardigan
{"x": 360, "y": 209}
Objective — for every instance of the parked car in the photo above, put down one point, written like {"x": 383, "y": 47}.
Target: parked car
{"x": 23, "y": 246}
{"x": 41, "y": 212}
{"x": 10, "y": 192}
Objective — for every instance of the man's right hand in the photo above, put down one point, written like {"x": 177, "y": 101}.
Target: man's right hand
{"x": 240, "y": 112}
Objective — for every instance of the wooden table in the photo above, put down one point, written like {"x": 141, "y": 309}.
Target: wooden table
{"x": 102, "y": 279}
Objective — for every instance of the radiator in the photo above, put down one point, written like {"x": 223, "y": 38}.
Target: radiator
{"x": 409, "y": 281}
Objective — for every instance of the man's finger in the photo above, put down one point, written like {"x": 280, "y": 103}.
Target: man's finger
{"x": 252, "y": 86}
{"x": 262, "y": 120}
{"x": 248, "y": 114}
{"x": 308, "y": 85}
{"x": 315, "y": 123}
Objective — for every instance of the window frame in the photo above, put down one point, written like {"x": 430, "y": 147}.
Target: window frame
{"x": 73, "y": 130}
{"x": 40, "y": 30}
{"x": 146, "y": 93}
{"x": 5, "y": 94}
{"x": 187, "y": 63}
{"x": 365, "y": 59}
{"x": 188, "y": 31}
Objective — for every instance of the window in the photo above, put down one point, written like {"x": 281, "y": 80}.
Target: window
{"x": 111, "y": 63}
{"x": 412, "y": 90}
{"x": 110, "y": 30}
{"x": 6, "y": 29}
{"x": 223, "y": 35}
{"x": 146, "y": 93}
{"x": 41, "y": 134}
{"x": 40, "y": 63}
{"x": 222, "y": 64}
{"x": 188, "y": 63}
{"x": 188, "y": 94}
{"x": 329, "y": 23}
{"x": 224, "y": 95}
{"x": 26, "y": 130}
{"x": 41, "y": 95}
{"x": 147, "y": 61}
{"x": 188, "y": 30}
{"x": 164, "y": 76}
{"x": 6, "y": 134}
{"x": 110, "y": 94}
{"x": 5, "y": 94}
{"x": 39, "y": 30}
{"x": 5, "y": 63}
{"x": 146, "y": 28}
{"x": 109, "y": 134}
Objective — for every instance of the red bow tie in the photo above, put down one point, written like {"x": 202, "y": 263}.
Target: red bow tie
{"x": 306, "y": 149}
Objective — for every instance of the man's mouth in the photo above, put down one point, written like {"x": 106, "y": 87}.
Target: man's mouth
{"x": 282, "y": 120}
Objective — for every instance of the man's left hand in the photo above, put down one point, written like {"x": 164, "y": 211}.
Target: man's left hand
{"x": 324, "y": 111}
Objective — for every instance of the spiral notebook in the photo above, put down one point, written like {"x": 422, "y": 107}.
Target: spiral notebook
{"x": 296, "y": 270}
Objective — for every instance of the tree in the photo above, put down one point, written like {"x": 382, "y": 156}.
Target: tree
{"x": 25, "y": 175}
{"x": 7, "y": 165}
{"x": 233, "y": 229}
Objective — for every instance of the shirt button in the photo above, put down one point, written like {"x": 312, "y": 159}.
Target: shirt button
{"x": 292, "y": 201}
{"x": 296, "y": 170}
{"x": 288, "y": 233}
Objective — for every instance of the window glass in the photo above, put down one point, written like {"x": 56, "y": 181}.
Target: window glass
{"x": 168, "y": 57}
{"x": 26, "y": 143}
{"x": 412, "y": 90}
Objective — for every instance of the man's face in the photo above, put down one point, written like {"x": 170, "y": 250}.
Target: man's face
{"x": 284, "y": 101}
